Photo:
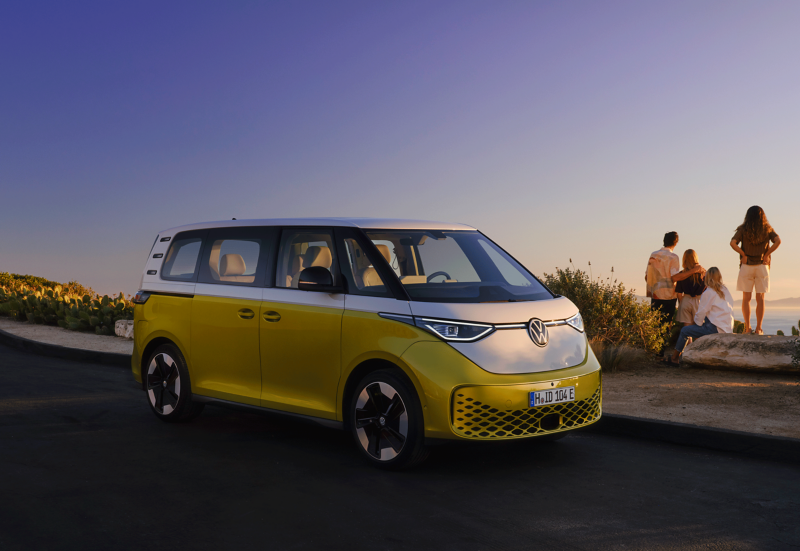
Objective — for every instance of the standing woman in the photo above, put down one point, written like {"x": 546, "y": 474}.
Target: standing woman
{"x": 689, "y": 289}
{"x": 755, "y": 254}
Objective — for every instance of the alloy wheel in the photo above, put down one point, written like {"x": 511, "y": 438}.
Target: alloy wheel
{"x": 381, "y": 421}
{"x": 163, "y": 383}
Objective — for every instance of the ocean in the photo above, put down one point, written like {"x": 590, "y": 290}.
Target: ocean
{"x": 774, "y": 318}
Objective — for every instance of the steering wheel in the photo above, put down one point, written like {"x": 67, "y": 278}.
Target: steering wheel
{"x": 435, "y": 274}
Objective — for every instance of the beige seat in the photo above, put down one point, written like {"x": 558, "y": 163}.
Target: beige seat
{"x": 232, "y": 268}
{"x": 369, "y": 276}
{"x": 297, "y": 267}
{"x": 314, "y": 256}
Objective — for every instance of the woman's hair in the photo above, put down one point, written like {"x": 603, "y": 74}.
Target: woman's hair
{"x": 690, "y": 260}
{"x": 713, "y": 280}
{"x": 756, "y": 227}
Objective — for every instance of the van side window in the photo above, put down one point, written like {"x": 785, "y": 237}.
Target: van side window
{"x": 301, "y": 249}
{"x": 233, "y": 256}
{"x": 361, "y": 274}
{"x": 180, "y": 264}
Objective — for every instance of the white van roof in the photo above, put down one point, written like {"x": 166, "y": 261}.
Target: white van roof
{"x": 364, "y": 223}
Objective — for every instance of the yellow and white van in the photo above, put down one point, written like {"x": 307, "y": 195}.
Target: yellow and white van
{"x": 402, "y": 332}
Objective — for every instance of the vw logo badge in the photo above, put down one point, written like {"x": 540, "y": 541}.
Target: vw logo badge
{"x": 538, "y": 332}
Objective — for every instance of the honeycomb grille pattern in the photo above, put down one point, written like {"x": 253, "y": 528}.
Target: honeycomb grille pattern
{"x": 475, "y": 419}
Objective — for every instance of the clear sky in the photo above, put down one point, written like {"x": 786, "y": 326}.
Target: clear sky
{"x": 580, "y": 130}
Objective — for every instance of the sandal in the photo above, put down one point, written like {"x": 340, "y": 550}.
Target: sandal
{"x": 758, "y": 332}
{"x": 670, "y": 363}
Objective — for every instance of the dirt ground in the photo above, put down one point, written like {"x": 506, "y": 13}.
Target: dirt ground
{"x": 764, "y": 403}
{"x": 64, "y": 337}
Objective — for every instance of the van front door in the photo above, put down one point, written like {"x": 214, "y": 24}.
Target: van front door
{"x": 300, "y": 331}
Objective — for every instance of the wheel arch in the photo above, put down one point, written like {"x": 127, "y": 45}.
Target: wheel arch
{"x": 366, "y": 367}
{"x": 150, "y": 347}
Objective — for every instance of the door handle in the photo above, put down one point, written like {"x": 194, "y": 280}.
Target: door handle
{"x": 246, "y": 314}
{"x": 272, "y": 316}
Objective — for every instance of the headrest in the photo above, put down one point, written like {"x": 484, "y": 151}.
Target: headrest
{"x": 231, "y": 265}
{"x": 318, "y": 256}
{"x": 384, "y": 250}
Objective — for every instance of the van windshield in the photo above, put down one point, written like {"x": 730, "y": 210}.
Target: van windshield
{"x": 455, "y": 266}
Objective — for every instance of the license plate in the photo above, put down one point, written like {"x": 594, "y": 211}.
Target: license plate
{"x": 552, "y": 396}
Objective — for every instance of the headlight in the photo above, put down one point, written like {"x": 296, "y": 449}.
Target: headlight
{"x": 454, "y": 330}
{"x": 576, "y": 321}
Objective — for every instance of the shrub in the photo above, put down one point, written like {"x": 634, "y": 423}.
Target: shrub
{"x": 780, "y": 333}
{"x": 72, "y": 306}
{"x": 612, "y": 357}
{"x": 738, "y": 326}
{"x": 795, "y": 332}
{"x": 612, "y": 315}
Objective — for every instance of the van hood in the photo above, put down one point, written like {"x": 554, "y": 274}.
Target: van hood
{"x": 512, "y": 351}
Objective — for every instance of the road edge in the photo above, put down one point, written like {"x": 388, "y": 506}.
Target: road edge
{"x": 63, "y": 352}
{"x": 743, "y": 443}
{"x": 762, "y": 446}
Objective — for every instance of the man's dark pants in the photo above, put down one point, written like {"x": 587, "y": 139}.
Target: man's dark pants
{"x": 667, "y": 310}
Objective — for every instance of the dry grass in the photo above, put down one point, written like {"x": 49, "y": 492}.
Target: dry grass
{"x": 619, "y": 357}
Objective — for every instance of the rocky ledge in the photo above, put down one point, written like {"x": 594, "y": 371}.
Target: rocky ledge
{"x": 750, "y": 352}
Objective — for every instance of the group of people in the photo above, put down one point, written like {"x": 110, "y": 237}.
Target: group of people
{"x": 704, "y": 304}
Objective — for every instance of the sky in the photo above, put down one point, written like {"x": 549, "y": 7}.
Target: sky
{"x": 563, "y": 130}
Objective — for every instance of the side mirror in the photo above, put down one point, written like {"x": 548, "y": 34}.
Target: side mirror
{"x": 317, "y": 278}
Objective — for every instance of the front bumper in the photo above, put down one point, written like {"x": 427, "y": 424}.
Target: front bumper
{"x": 502, "y": 411}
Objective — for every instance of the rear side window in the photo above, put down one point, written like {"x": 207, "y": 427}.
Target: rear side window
{"x": 180, "y": 264}
{"x": 234, "y": 256}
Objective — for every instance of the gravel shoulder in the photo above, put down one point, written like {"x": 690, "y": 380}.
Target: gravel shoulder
{"x": 64, "y": 337}
{"x": 761, "y": 403}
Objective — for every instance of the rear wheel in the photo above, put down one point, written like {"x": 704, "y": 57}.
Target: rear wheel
{"x": 386, "y": 421}
{"x": 167, "y": 385}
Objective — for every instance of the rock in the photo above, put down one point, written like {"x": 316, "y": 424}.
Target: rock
{"x": 742, "y": 352}
{"x": 124, "y": 329}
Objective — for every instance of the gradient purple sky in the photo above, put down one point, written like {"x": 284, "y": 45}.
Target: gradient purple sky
{"x": 580, "y": 130}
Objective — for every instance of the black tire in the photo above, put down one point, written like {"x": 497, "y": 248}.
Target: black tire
{"x": 386, "y": 421}
{"x": 167, "y": 385}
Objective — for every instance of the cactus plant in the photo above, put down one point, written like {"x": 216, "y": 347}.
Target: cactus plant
{"x": 71, "y": 306}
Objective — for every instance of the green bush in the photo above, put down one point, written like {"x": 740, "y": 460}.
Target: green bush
{"x": 738, "y": 326}
{"x": 70, "y": 306}
{"x": 612, "y": 315}
{"x": 780, "y": 333}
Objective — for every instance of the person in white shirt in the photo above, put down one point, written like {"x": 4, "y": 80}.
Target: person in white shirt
{"x": 714, "y": 315}
{"x": 663, "y": 271}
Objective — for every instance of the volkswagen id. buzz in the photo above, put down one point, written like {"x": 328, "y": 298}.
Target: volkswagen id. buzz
{"x": 402, "y": 332}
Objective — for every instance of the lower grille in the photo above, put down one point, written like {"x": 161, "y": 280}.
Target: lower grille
{"x": 475, "y": 419}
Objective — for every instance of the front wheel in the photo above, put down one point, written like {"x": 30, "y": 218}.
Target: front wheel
{"x": 386, "y": 421}
{"x": 167, "y": 385}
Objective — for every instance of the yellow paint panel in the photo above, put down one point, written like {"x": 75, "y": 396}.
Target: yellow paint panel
{"x": 225, "y": 361}
{"x": 300, "y": 358}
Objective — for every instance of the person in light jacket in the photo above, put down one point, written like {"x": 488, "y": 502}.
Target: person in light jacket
{"x": 714, "y": 314}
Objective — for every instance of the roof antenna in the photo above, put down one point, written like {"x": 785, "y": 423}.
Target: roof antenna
{"x": 233, "y": 218}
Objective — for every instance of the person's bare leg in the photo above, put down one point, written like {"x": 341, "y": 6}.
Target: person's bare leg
{"x": 759, "y": 312}
{"x": 746, "y": 310}
{"x": 675, "y": 356}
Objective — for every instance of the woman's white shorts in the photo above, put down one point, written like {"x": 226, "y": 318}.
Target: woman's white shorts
{"x": 687, "y": 309}
{"x": 753, "y": 276}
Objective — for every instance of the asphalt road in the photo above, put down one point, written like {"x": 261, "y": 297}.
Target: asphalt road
{"x": 84, "y": 464}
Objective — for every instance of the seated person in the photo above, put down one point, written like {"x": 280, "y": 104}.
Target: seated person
{"x": 714, "y": 314}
